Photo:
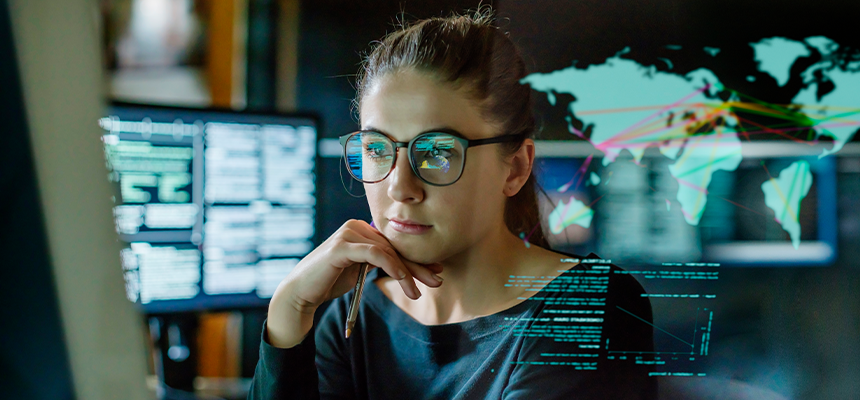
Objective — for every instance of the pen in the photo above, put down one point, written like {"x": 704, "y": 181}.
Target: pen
{"x": 353, "y": 308}
{"x": 356, "y": 299}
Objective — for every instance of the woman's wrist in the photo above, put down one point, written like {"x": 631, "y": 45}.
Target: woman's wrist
{"x": 287, "y": 324}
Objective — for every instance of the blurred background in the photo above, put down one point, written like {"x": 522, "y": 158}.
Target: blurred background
{"x": 167, "y": 162}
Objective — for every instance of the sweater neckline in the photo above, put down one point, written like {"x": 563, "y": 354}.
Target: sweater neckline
{"x": 473, "y": 329}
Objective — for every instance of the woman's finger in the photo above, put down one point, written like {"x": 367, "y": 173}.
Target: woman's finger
{"x": 391, "y": 264}
{"x": 422, "y": 272}
{"x": 436, "y": 268}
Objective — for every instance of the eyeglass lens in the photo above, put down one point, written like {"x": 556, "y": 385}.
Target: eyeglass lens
{"x": 438, "y": 157}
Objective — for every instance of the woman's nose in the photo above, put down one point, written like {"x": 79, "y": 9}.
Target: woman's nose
{"x": 403, "y": 185}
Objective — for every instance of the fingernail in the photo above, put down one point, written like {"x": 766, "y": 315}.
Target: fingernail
{"x": 401, "y": 274}
{"x": 437, "y": 277}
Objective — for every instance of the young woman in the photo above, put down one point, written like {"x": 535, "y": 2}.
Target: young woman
{"x": 449, "y": 311}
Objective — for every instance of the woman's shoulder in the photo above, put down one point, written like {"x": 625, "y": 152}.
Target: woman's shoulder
{"x": 609, "y": 287}
{"x": 620, "y": 284}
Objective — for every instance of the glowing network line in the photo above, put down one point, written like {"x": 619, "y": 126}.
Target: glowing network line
{"x": 665, "y": 120}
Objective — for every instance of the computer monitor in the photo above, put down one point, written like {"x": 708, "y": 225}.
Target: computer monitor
{"x": 216, "y": 207}
{"x": 630, "y": 211}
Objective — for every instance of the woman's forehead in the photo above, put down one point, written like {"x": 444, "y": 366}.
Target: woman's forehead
{"x": 406, "y": 104}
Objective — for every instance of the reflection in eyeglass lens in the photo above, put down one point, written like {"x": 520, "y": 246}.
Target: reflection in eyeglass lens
{"x": 435, "y": 156}
{"x": 377, "y": 155}
{"x": 377, "y": 151}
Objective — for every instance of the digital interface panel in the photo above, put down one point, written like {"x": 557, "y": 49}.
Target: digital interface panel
{"x": 582, "y": 313}
{"x": 216, "y": 207}
{"x": 630, "y": 211}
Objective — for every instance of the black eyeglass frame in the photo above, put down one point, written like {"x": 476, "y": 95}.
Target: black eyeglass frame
{"x": 466, "y": 143}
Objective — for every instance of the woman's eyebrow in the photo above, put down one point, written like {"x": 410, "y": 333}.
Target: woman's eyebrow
{"x": 444, "y": 129}
{"x": 373, "y": 128}
{"x": 450, "y": 131}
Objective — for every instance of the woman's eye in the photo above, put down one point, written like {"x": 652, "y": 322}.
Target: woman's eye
{"x": 374, "y": 150}
{"x": 441, "y": 152}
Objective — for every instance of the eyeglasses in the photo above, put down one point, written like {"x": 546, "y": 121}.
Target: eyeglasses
{"x": 437, "y": 158}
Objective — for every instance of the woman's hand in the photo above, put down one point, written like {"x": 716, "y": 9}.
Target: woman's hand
{"x": 332, "y": 270}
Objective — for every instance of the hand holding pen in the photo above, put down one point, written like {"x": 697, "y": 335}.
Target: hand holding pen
{"x": 356, "y": 298}
{"x": 352, "y": 315}
{"x": 330, "y": 271}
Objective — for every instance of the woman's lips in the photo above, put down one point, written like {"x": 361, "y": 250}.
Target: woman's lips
{"x": 405, "y": 227}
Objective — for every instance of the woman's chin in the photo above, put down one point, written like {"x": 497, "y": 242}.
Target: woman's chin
{"x": 420, "y": 253}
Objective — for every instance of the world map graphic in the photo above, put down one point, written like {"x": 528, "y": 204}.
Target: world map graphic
{"x": 630, "y": 106}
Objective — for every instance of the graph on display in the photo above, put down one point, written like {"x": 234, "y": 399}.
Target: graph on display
{"x": 216, "y": 207}
{"x": 697, "y": 344}
{"x": 683, "y": 319}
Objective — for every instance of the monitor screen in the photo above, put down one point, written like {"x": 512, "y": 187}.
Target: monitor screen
{"x": 761, "y": 213}
{"x": 216, "y": 207}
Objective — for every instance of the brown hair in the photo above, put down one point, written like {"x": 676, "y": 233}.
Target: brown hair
{"x": 469, "y": 52}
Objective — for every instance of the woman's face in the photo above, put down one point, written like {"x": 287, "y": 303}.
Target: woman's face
{"x": 462, "y": 215}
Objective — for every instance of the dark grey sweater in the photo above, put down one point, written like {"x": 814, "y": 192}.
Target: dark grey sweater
{"x": 551, "y": 346}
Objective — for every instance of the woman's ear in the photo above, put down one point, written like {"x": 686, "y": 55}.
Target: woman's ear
{"x": 520, "y": 168}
